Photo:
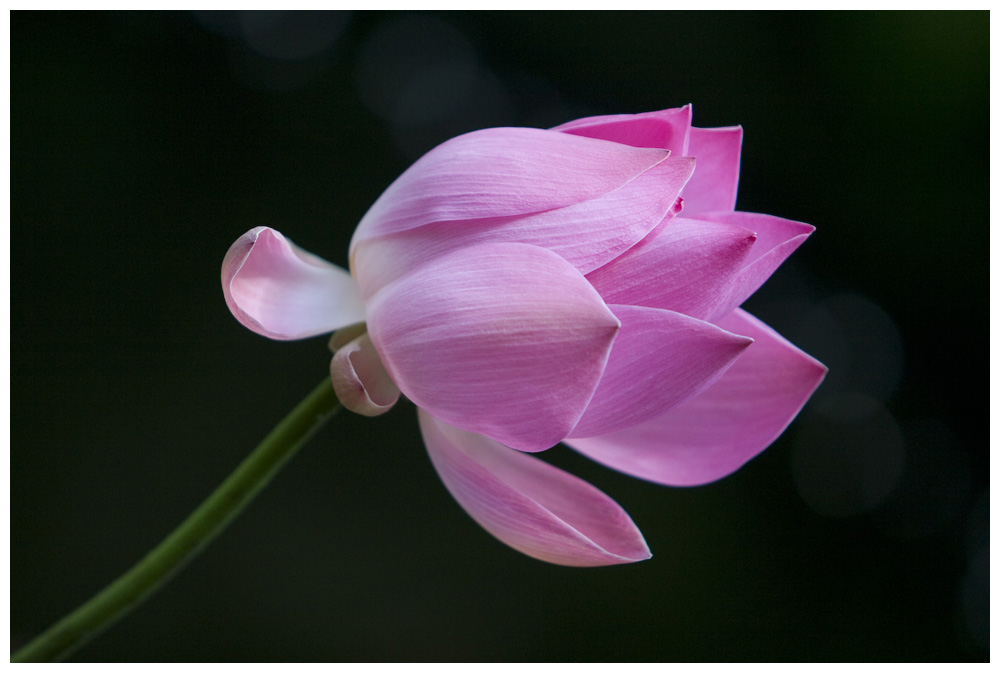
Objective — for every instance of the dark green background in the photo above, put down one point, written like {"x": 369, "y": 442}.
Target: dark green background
{"x": 143, "y": 144}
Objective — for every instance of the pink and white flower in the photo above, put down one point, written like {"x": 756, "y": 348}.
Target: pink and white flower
{"x": 526, "y": 287}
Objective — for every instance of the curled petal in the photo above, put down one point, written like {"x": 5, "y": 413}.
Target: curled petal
{"x": 280, "y": 291}
{"x": 346, "y": 335}
{"x": 688, "y": 266}
{"x": 502, "y": 172}
{"x": 716, "y": 432}
{"x": 713, "y": 186}
{"x": 528, "y": 504}
{"x": 668, "y": 129}
{"x": 587, "y": 234}
{"x": 777, "y": 238}
{"x": 360, "y": 380}
{"x": 659, "y": 360}
{"x": 504, "y": 339}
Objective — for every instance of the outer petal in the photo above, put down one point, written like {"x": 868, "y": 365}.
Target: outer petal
{"x": 715, "y": 433}
{"x": 528, "y": 504}
{"x": 587, "y": 234}
{"x": 777, "y": 238}
{"x": 504, "y": 339}
{"x": 502, "y": 172}
{"x": 714, "y": 184}
{"x": 668, "y": 129}
{"x": 360, "y": 380}
{"x": 659, "y": 360}
{"x": 687, "y": 266}
{"x": 283, "y": 292}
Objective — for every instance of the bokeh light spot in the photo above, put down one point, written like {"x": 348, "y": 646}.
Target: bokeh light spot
{"x": 399, "y": 50}
{"x": 975, "y": 598}
{"x": 292, "y": 35}
{"x": 848, "y": 458}
{"x": 423, "y": 77}
{"x": 858, "y": 341}
{"x": 276, "y": 50}
{"x": 935, "y": 486}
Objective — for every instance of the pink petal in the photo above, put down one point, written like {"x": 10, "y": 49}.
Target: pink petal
{"x": 717, "y": 150}
{"x": 688, "y": 266}
{"x": 502, "y": 172}
{"x": 715, "y": 433}
{"x": 504, "y": 339}
{"x": 659, "y": 359}
{"x": 713, "y": 186}
{"x": 360, "y": 380}
{"x": 587, "y": 234}
{"x": 280, "y": 291}
{"x": 667, "y": 129}
{"x": 777, "y": 238}
{"x": 528, "y": 504}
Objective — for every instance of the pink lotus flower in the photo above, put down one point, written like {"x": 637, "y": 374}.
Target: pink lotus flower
{"x": 525, "y": 287}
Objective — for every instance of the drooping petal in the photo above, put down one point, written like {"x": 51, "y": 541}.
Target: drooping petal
{"x": 660, "y": 359}
{"x": 502, "y": 172}
{"x": 713, "y": 186}
{"x": 716, "y": 432}
{"x": 280, "y": 291}
{"x": 528, "y": 504}
{"x": 504, "y": 339}
{"x": 688, "y": 266}
{"x": 360, "y": 380}
{"x": 777, "y": 238}
{"x": 668, "y": 129}
{"x": 587, "y": 234}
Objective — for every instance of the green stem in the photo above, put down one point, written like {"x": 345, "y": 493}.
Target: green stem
{"x": 200, "y": 528}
